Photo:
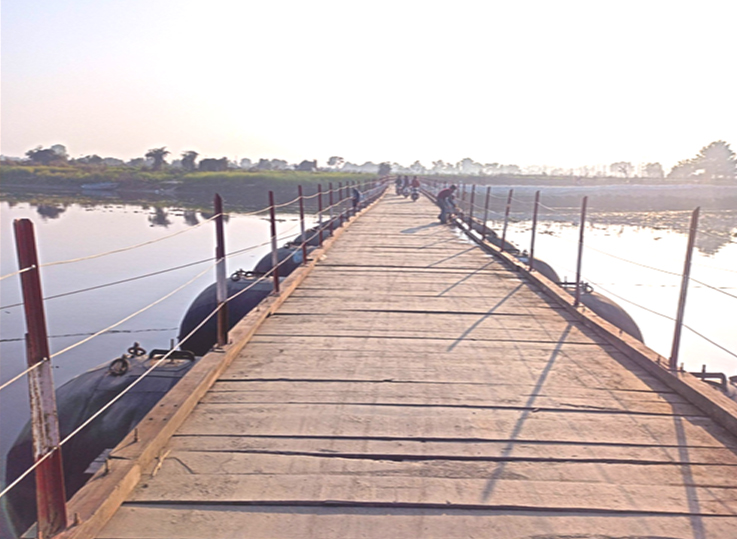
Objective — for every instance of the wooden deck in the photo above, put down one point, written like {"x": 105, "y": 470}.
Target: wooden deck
{"x": 414, "y": 387}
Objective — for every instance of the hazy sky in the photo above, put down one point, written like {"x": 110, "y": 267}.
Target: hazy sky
{"x": 563, "y": 83}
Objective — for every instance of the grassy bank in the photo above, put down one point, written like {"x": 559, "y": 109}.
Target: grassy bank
{"x": 240, "y": 189}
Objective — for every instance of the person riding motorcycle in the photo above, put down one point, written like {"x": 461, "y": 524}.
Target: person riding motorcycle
{"x": 415, "y": 189}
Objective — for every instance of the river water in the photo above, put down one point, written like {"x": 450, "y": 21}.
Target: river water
{"x": 633, "y": 257}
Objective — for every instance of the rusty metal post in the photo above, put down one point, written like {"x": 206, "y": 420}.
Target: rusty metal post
{"x": 470, "y": 209}
{"x": 302, "y": 224}
{"x": 486, "y": 213}
{"x": 580, "y": 252}
{"x": 506, "y": 218}
{"x": 673, "y": 363}
{"x": 50, "y": 493}
{"x": 534, "y": 229}
{"x": 274, "y": 249}
{"x": 221, "y": 274}
{"x": 330, "y": 201}
{"x": 319, "y": 214}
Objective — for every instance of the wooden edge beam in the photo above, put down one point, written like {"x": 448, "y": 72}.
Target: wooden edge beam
{"x": 98, "y": 500}
{"x": 710, "y": 400}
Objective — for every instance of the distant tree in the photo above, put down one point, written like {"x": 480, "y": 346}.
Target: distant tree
{"x": 158, "y": 156}
{"x": 385, "y": 169}
{"x": 214, "y": 165}
{"x": 263, "y": 164}
{"x": 60, "y": 150}
{"x": 138, "y": 162}
{"x": 469, "y": 166}
{"x": 654, "y": 170}
{"x": 417, "y": 168}
{"x": 335, "y": 161}
{"x": 624, "y": 168}
{"x": 307, "y": 166}
{"x": 45, "y": 157}
{"x": 715, "y": 161}
{"x": 90, "y": 160}
{"x": 718, "y": 161}
{"x": 188, "y": 160}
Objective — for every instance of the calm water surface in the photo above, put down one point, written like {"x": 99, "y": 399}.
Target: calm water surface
{"x": 80, "y": 231}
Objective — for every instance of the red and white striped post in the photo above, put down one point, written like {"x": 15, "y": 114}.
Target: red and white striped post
{"x": 50, "y": 493}
{"x": 221, "y": 274}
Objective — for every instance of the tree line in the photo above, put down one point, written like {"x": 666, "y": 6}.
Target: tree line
{"x": 715, "y": 161}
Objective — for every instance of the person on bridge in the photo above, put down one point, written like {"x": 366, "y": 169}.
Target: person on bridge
{"x": 356, "y": 198}
{"x": 415, "y": 183}
{"x": 446, "y": 201}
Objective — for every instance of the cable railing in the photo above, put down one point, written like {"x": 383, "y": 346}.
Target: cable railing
{"x": 282, "y": 236}
{"x": 472, "y": 209}
{"x": 343, "y": 214}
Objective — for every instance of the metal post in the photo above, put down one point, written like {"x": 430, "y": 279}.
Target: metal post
{"x": 534, "y": 229}
{"x": 50, "y": 494}
{"x": 673, "y": 363}
{"x": 274, "y": 250}
{"x": 330, "y": 201}
{"x": 486, "y": 213}
{"x": 319, "y": 214}
{"x": 340, "y": 204}
{"x": 302, "y": 224}
{"x": 470, "y": 210}
{"x": 221, "y": 274}
{"x": 506, "y": 218}
{"x": 580, "y": 252}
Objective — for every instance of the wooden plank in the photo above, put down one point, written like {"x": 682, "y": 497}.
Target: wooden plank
{"x": 226, "y": 522}
{"x": 436, "y": 492}
{"x": 464, "y": 450}
{"x": 457, "y": 395}
{"x": 432, "y": 422}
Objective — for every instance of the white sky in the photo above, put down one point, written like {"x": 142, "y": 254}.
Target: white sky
{"x": 561, "y": 83}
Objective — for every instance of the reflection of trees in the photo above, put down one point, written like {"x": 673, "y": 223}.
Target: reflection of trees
{"x": 160, "y": 217}
{"x": 715, "y": 228}
{"x": 190, "y": 217}
{"x": 48, "y": 211}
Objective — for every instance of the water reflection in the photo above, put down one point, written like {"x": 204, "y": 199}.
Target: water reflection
{"x": 190, "y": 217}
{"x": 160, "y": 217}
{"x": 48, "y": 211}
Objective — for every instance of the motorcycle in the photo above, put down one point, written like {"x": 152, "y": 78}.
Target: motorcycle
{"x": 415, "y": 194}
